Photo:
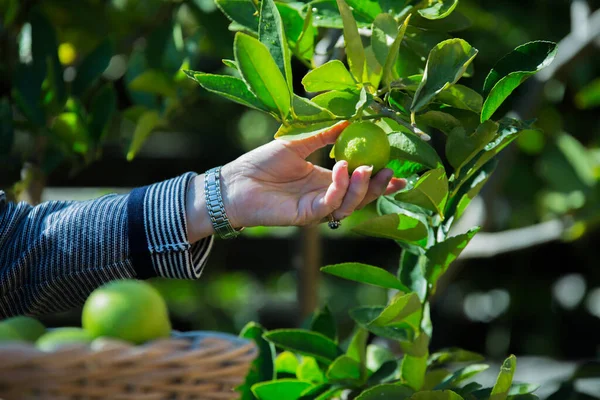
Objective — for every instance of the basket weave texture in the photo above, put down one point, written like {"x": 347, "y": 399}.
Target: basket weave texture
{"x": 193, "y": 365}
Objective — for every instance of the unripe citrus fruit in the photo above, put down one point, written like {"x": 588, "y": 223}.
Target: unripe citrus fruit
{"x": 126, "y": 309}
{"x": 363, "y": 143}
{"x": 58, "y": 337}
{"x": 29, "y": 329}
{"x": 8, "y": 334}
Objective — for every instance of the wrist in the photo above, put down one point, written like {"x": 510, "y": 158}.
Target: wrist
{"x": 231, "y": 196}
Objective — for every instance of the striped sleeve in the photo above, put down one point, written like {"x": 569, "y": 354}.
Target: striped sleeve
{"x": 54, "y": 255}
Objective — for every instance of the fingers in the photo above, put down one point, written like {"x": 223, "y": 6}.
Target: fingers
{"x": 382, "y": 183}
{"x": 395, "y": 185}
{"x": 335, "y": 192}
{"x": 305, "y": 147}
{"x": 357, "y": 190}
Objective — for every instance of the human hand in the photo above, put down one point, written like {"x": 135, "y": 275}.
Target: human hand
{"x": 274, "y": 185}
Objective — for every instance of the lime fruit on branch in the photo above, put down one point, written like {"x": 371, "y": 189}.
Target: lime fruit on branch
{"x": 363, "y": 143}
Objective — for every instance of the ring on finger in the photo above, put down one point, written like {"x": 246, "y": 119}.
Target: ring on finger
{"x": 333, "y": 223}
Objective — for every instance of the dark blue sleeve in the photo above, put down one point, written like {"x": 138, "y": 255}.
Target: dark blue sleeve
{"x": 54, "y": 255}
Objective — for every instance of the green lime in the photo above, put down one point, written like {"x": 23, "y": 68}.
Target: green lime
{"x": 8, "y": 334}
{"x": 55, "y": 338}
{"x": 29, "y": 329}
{"x": 363, "y": 143}
{"x": 126, "y": 309}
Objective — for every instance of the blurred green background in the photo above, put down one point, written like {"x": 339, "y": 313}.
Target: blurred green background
{"x": 540, "y": 300}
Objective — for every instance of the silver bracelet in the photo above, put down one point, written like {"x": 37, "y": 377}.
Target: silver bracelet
{"x": 216, "y": 208}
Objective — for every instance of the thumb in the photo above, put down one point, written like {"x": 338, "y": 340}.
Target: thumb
{"x": 306, "y": 146}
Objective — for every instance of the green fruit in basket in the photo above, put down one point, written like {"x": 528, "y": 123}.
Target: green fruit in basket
{"x": 126, "y": 309}
{"x": 8, "y": 334}
{"x": 29, "y": 329}
{"x": 55, "y": 338}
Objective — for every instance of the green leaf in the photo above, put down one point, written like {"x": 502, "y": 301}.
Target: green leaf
{"x": 377, "y": 356}
{"x": 373, "y": 70}
{"x": 102, "y": 108}
{"x": 286, "y": 363}
{"x": 405, "y": 169}
{"x": 363, "y": 317}
{"x": 344, "y": 369}
{"x": 386, "y": 391}
{"x": 504, "y": 380}
{"x": 406, "y": 146}
{"x": 262, "y": 75}
{"x": 392, "y": 56}
{"x": 332, "y": 75}
{"x": 414, "y": 363}
{"x": 430, "y": 191}
{"x": 507, "y": 132}
{"x": 357, "y": 349}
{"x": 446, "y": 63}
{"x": 384, "y": 30}
{"x": 307, "y": 110}
{"x": 272, "y": 34}
{"x": 462, "y": 97}
{"x": 412, "y": 273}
{"x": 305, "y": 47}
{"x": 321, "y": 391}
{"x": 385, "y": 373}
{"x": 6, "y": 126}
{"x": 368, "y": 9}
{"x": 145, "y": 125}
{"x": 512, "y": 70}
{"x": 452, "y": 23}
{"x": 589, "y": 96}
{"x": 228, "y": 86}
{"x": 453, "y": 355}
{"x": 340, "y": 103}
{"x": 354, "y": 48}
{"x": 92, "y": 67}
{"x": 462, "y": 374}
{"x": 242, "y": 12}
{"x": 281, "y": 389}
{"x": 461, "y": 148}
{"x": 365, "y": 274}
{"x": 441, "y": 121}
{"x": 400, "y": 307}
{"x": 393, "y": 226}
{"x": 436, "y": 395}
{"x": 305, "y": 342}
{"x": 385, "y": 42}
{"x": 459, "y": 202}
{"x": 302, "y": 130}
{"x": 309, "y": 371}
{"x": 442, "y": 254}
{"x": 438, "y": 9}
{"x": 324, "y": 323}
{"x": 229, "y": 63}
{"x": 522, "y": 388}
{"x": 155, "y": 82}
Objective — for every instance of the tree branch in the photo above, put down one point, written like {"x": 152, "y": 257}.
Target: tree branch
{"x": 485, "y": 245}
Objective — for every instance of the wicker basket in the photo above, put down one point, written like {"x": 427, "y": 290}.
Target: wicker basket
{"x": 193, "y": 365}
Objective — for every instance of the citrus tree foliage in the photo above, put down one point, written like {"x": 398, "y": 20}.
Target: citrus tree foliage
{"x": 401, "y": 70}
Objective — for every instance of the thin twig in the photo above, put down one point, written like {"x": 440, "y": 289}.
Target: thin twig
{"x": 397, "y": 117}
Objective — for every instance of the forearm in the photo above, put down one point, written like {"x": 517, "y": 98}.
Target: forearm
{"x": 52, "y": 256}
